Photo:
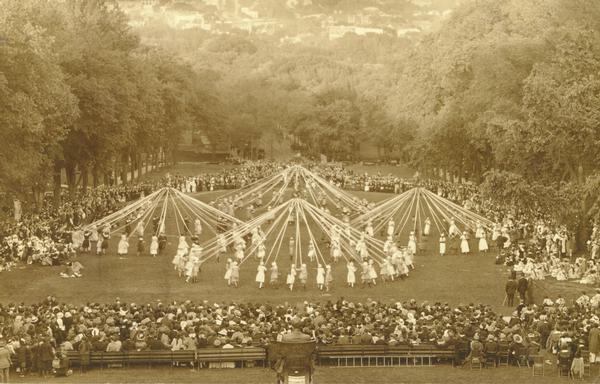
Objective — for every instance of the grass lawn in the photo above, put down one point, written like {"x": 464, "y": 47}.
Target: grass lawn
{"x": 454, "y": 278}
{"x": 436, "y": 374}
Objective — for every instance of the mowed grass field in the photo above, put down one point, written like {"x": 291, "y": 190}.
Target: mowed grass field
{"x": 420, "y": 375}
{"x": 454, "y": 278}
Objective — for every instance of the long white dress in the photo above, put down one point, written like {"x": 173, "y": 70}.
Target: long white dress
{"x": 123, "y": 245}
{"x": 227, "y": 271}
{"x": 483, "y": 245}
{"x": 412, "y": 244}
{"x": 442, "y": 246}
{"x": 351, "y": 276}
{"x": 372, "y": 272}
{"x": 464, "y": 244}
{"x": 154, "y": 246}
{"x": 427, "y": 228}
{"x": 320, "y": 275}
{"x": 260, "y": 274}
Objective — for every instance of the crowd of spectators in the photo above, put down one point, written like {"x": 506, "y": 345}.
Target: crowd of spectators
{"x": 33, "y": 333}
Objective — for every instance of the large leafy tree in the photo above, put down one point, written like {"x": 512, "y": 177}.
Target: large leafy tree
{"x": 37, "y": 106}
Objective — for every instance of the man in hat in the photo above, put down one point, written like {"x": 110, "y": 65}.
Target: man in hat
{"x": 510, "y": 288}
{"x": 296, "y": 335}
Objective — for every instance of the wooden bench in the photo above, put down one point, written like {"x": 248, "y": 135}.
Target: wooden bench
{"x": 243, "y": 356}
{"x": 98, "y": 358}
{"x": 149, "y": 357}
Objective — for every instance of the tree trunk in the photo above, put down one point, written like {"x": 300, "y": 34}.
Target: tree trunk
{"x": 57, "y": 184}
{"x": 123, "y": 168}
{"x": 71, "y": 176}
{"x": 95, "y": 176}
{"x": 84, "y": 177}
{"x": 140, "y": 165}
{"x": 132, "y": 166}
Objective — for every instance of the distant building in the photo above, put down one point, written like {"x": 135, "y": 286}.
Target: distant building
{"x": 401, "y": 32}
{"x": 338, "y": 31}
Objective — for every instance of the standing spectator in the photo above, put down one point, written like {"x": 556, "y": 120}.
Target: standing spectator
{"x": 85, "y": 348}
{"x": 522, "y": 287}
{"x": 5, "y": 361}
{"x": 510, "y": 289}
{"x": 46, "y": 352}
{"x": 594, "y": 342}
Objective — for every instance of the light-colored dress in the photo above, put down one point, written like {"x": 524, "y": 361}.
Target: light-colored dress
{"x": 464, "y": 244}
{"x": 320, "y": 275}
{"x": 351, "y": 276}
{"x": 260, "y": 273}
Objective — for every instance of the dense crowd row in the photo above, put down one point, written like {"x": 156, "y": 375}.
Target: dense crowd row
{"x": 35, "y": 332}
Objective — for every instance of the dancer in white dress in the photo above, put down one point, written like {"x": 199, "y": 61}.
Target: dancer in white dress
{"x": 228, "y": 271}
{"x": 291, "y": 278}
{"x": 372, "y": 273}
{"x": 303, "y": 275}
{"x": 328, "y": 277}
{"x": 369, "y": 228}
{"x": 464, "y": 244}
{"x": 274, "y": 276}
{"x": 427, "y": 228}
{"x": 483, "y": 245}
{"x": 320, "y": 277}
{"x": 154, "y": 246}
{"x": 123, "y": 246}
{"x": 235, "y": 274}
{"x": 412, "y": 243}
{"x": 197, "y": 227}
{"x": 260, "y": 274}
{"x": 442, "y": 245}
{"x": 312, "y": 253}
{"x": 391, "y": 228}
{"x": 351, "y": 276}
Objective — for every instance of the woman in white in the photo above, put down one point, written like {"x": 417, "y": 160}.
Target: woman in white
{"x": 260, "y": 254}
{"x": 412, "y": 243}
{"x": 453, "y": 229}
{"x": 123, "y": 246}
{"x": 239, "y": 252}
{"x": 409, "y": 259}
{"x": 328, "y": 277}
{"x": 320, "y": 276}
{"x": 139, "y": 228}
{"x": 427, "y": 228}
{"x": 222, "y": 246}
{"x": 260, "y": 274}
{"x": 183, "y": 245}
{"x": 198, "y": 227}
{"x": 311, "y": 251}
{"x": 337, "y": 253}
{"x": 228, "y": 271}
{"x": 390, "y": 268}
{"x": 235, "y": 274}
{"x": 154, "y": 246}
{"x": 483, "y": 245}
{"x": 442, "y": 245}
{"x": 369, "y": 228}
{"x": 391, "y": 228}
{"x": 479, "y": 231}
{"x": 372, "y": 273}
{"x": 189, "y": 266}
{"x": 291, "y": 277}
{"x": 351, "y": 276}
{"x": 464, "y": 244}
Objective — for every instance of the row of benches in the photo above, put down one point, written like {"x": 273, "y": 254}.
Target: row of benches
{"x": 384, "y": 355}
{"x": 339, "y": 355}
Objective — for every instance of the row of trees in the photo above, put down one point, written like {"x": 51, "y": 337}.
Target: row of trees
{"x": 507, "y": 93}
{"x": 81, "y": 94}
